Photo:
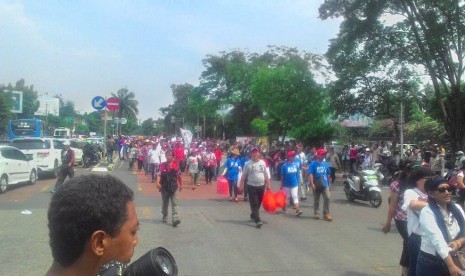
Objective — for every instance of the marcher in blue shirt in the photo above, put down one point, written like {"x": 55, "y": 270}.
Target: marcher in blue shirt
{"x": 232, "y": 168}
{"x": 319, "y": 181}
{"x": 290, "y": 180}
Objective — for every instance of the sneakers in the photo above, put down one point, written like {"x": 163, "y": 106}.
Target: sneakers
{"x": 246, "y": 198}
{"x": 259, "y": 224}
{"x": 231, "y": 199}
{"x": 316, "y": 216}
{"x": 176, "y": 222}
{"x": 327, "y": 217}
{"x": 298, "y": 212}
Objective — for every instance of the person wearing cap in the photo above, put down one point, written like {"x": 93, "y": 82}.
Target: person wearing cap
{"x": 232, "y": 168}
{"x": 67, "y": 165}
{"x": 290, "y": 172}
{"x": 442, "y": 227}
{"x": 319, "y": 180}
{"x": 415, "y": 199}
{"x": 257, "y": 180}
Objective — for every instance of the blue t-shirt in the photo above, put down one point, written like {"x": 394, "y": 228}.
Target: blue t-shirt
{"x": 290, "y": 174}
{"x": 233, "y": 165}
{"x": 320, "y": 170}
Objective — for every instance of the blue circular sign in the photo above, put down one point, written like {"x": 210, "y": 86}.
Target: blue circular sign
{"x": 99, "y": 103}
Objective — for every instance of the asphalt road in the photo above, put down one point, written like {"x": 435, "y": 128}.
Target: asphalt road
{"x": 215, "y": 236}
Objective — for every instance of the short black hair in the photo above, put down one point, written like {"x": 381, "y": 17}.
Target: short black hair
{"x": 82, "y": 206}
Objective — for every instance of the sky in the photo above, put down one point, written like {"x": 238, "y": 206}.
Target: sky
{"x": 83, "y": 49}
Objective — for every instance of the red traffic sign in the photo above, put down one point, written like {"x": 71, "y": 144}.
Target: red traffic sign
{"x": 112, "y": 104}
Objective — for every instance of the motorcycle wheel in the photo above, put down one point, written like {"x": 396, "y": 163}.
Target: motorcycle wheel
{"x": 349, "y": 195}
{"x": 375, "y": 199}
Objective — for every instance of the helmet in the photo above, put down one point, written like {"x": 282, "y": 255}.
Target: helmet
{"x": 459, "y": 152}
{"x": 387, "y": 153}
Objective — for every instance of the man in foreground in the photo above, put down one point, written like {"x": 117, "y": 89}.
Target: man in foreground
{"x": 92, "y": 220}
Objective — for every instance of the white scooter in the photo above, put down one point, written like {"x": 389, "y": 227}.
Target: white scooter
{"x": 364, "y": 186}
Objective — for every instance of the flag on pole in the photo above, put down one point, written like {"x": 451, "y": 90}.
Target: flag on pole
{"x": 186, "y": 136}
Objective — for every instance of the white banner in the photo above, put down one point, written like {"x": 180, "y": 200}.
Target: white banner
{"x": 186, "y": 136}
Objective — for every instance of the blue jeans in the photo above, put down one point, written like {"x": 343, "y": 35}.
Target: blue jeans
{"x": 429, "y": 265}
{"x": 232, "y": 188}
{"x": 110, "y": 156}
{"x": 414, "y": 243}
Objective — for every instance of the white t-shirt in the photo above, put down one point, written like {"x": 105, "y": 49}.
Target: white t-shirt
{"x": 413, "y": 217}
{"x": 154, "y": 156}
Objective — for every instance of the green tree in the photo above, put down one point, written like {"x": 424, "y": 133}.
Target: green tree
{"x": 430, "y": 34}
{"x": 288, "y": 94}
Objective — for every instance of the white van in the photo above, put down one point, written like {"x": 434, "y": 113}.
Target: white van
{"x": 45, "y": 153}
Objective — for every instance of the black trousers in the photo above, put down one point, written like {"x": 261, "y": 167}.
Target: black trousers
{"x": 255, "y": 199}
{"x": 62, "y": 174}
{"x": 402, "y": 229}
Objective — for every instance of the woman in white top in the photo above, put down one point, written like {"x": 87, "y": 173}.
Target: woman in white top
{"x": 442, "y": 224}
{"x": 415, "y": 199}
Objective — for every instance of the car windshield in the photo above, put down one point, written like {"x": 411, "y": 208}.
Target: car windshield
{"x": 30, "y": 144}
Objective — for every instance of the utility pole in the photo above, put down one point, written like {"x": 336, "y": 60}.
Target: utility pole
{"x": 401, "y": 128}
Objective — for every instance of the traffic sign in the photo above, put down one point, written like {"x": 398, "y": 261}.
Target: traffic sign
{"x": 98, "y": 103}
{"x": 113, "y": 104}
{"x": 123, "y": 121}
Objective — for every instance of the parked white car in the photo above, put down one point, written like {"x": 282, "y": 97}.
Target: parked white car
{"x": 76, "y": 148}
{"x": 45, "y": 152}
{"x": 15, "y": 167}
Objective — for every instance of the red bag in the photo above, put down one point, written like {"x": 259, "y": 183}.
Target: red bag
{"x": 222, "y": 185}
{"x": 269, "y": 202}
{"x": 280, "y": 198}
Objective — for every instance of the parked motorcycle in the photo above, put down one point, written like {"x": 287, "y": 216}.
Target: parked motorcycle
{"x": 364, "y": 186}
{"x": 90, "y": 156}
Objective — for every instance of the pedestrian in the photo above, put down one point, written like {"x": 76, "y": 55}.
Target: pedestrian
{"x": 140, "y": 158}
{"x": 192, "y": 167}
{"x": 334, "y": 164}
{"x": 345, "y": 158}
{"x": 169, "y": 183}
{"x": 442, "y": 224}
{"x": 353, "y": 152}
{"x": 154, "y": 161}
{"x": 92, "y": 220}
{"x": 209, "y": 165}
{"x": 133, "y": 153}
{"x": 67, "y": 165}
{"x": 301, "y": 162}
{"x": 396, "y": 200}
{"x": 319, "y": 180}
{"x": 110, "y": 147}
{"x": 232, "y": 169}
{"x": 415, "y": 199}
{"x": 290, "y": 172}
{"x": 256, "y": 178}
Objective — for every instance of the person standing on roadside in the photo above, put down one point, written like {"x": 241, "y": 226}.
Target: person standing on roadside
{"x": 319, "y": 181}
{"x": 67, "y": 165}
{"x": 110, "y": 147}
{"x": 257, "y": 180}
{"x": 169, "y": 183}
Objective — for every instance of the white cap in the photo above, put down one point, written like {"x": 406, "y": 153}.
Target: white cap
{"x": 66, "y": 143}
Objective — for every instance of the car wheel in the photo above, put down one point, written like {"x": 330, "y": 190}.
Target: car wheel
{"x": 33, "y": 177}
{"x": 3, "y": 184}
